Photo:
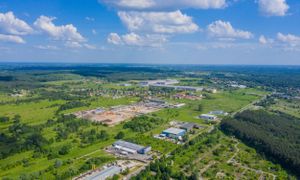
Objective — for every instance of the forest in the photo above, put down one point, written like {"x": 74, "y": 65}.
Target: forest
{"x": 274, "y": 135}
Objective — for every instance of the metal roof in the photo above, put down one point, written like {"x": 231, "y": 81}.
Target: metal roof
{"x": 128, "y": 145}
{"x": 173, "y": 131}
{"x": 104, "y": 174}
{"x": 188, "y": 125}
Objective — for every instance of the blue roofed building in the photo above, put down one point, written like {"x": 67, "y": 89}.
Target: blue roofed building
{"x": 174, "y": 133}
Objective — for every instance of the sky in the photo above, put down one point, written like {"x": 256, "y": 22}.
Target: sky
{"x": 151, "y": 31}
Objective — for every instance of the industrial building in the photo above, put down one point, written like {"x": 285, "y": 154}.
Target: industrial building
{"x": 187, "y": 126}
{"x": 106, "y": 173}
{"x": 159, "y": 82}
{"x": 208, "y": 117}
{"x": 174, "y": 133}
{"x": 218, "y": 112}
{"x": 131, "y": 147}
{"x": 180, "y": 88}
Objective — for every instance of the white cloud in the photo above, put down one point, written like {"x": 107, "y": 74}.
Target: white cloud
{"x": 133, "y": 39}
{"x": 47, "y": 47}
{"x": 166, "y": 4}
{"x": 273, "y": 7}
{"x": 9, "y": 24}
{"x": 135, "y": 4}
{"x": 263, "y": 40}
{"x": 114, "y": 38}
{"x": 158, "y": 22}
{"x": 11, "y": 38}
{"x": 94, "y": 31}
{"x": 289, "y": 39}
{"x": 224, "y": 30}
{"x": 287, "y": 42}
{"x": 65, "y": 32}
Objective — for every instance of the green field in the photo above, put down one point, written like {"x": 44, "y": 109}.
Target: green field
{"x": 86, "y": 142}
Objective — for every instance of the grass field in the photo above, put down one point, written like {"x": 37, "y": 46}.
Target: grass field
{"x": 34, "y": 113}
{"x": 291, "y": 107}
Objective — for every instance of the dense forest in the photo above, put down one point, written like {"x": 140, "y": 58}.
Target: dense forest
{"x": 277, "y": 136}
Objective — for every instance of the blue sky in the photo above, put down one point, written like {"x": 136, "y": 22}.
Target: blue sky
{"x": 151, "y": 31}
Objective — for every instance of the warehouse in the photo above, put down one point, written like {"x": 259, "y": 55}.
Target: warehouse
{"x": 208, "y": 117}
{"x": 174, "y": 133}
{"x": 218, "y": 112}
{"x": 188, "y": 126}
{"x": 106, "y": 173}
{"x": 179, "y": 88}
{"x": 131, "y": 147}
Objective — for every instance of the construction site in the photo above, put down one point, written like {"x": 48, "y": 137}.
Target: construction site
{"x": 118, "y": 114}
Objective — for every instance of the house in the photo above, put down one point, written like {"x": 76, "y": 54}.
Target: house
{"x": 174, "y": 133}
{"x": 208, "y": 117}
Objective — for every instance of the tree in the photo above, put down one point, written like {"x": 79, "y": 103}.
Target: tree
{"x": 200, "y": 107}
{"x": 120, "y": 135}
{"x": 58, "y": 163}
{"x": 17, "y": 118}
{"x": 103, "y": 135}
{"x": 64, "y": 150}
{"x": 36, "y": 140}
{"x": 4, "y": 119}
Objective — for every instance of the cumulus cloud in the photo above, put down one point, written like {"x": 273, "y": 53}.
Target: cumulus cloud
{"x": 224, "y": 30}
{"x": 9, "y": 24}
{"x": 263, "y": 40}
{"x": 11, "y": 38}
{"x": 288, "y": 42}
{"x": 165, "y": 4}
{"x": 273, "y": 7}
{"x": 64, "y": 32}
{"x": 114, "y": 38}
{"x": 289, "y": 39}
{"x": 158, "y": 22}
{"x": 133, "y": 39}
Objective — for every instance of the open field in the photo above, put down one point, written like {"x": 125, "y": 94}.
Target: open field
{"x": 40, "y": 112}
{"x": 63, "y": 146}
{"x": 291, "y": 107}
